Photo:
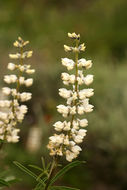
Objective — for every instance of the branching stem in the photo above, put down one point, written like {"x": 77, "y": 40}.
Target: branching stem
{"x": 52, "y": 169}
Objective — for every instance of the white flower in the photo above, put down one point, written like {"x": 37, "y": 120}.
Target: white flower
{"x": 78, "y": 138}
{"x": 88, "y": 79}
{"x": 14, "y": 92}
{"x": 5, "y": 103}
{"x": 10, "y": 78}
{"x": 67, "y": 48}
{"x": 27, "y": 54}
{"x": 83, "y": 122}
{"x": 73, "y": 35}
{"x": 23, "y": 109}
{"x": 6, "y": 90}
{"x": 57, "y": 139}
{"x": 11, "y": 66}
{"x": 69, "y": 156}
{"x": 82, "y": 132}
{"x": 15, "y": 56}
{"x": 25, "y": 96}
{"x": 66, "y": 125}
{"x": 82, "y": 47}
{"x": 15, "y": 102}
{"x": 75, "y": 124}
{"x": 66, "y": 140}
{"x": 72, "y": 110}
{"x": 3, "y": 115}
{"x": 13, "y": 137}
{"x": 64, "y": 92}
{"x": 86, "y": 93}
{"x": 29, "y": 82}
{"x": 21, "y": 80}
{"x": 80, "y": 80}
{"x": 20, "y": 116}
{"x": 72, "y": 79}
{"x": 21, "y": 68}
{"x": 58, "y": 126}
{"x": 69, "y": 101}
{"x": 63, "y": 109}
{"x": 80, "y": 110}
{"x": 30, "y": 71}
{"x": 87, "y": 107}
{"x": 65, "y": 76}
{"x": 76, "y": 149}
{"x": 69, "y": 63}
{"x": 83, "y": 63}
{"x": 74, "y": 96}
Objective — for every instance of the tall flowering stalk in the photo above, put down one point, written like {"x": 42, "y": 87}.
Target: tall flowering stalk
{"x": 71, "y": 131}
{"x": 13, "y": 111}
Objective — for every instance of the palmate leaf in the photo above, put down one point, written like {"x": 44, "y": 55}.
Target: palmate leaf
{"x": 62, "y": 188}
{"x": 29, "y": 172}
{"x": 65, "y": 169}
{"x": 3, "y": 183}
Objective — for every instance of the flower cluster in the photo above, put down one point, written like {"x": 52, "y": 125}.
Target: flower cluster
{"x": 13, "y": 111}
{"x": 71, "y": 131}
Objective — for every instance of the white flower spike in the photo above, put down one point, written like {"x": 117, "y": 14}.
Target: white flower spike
{"x": 71, "y": 132}
{"x": 15, "y": 112}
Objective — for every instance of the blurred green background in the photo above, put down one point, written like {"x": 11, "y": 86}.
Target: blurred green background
{"x": 103, "y": 27}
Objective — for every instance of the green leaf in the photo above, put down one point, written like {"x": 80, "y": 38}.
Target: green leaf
{"x": 65, "y": 169}
{"x": 43, "y": 163}
{"x": 48, "y": 166}
{"x": 39, "y": 186}
{"x": 13, "y": 180}
{"x": 62, "y": 188}
{"x": 40, "y": 176}
{"x": 3, "y": 183}
{"x": 23, "y": 168}
{"x": 26, "y": 170}
{"x": 36, "y": 167}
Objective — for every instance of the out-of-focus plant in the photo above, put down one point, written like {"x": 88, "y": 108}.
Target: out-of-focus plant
{"x": 12, "y": 111}
{"x": 70, "y": 133}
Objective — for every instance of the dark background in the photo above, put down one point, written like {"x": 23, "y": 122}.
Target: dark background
{"x": 103, "y": 27}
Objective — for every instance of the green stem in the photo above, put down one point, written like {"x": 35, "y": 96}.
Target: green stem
{"x": 76, "y": 76}
{"x": 53, "y": 167}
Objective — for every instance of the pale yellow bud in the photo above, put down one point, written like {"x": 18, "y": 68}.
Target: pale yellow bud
{"x": 82, "y": 47}
{"x": 67, "y": 48}
{"x": 74, "y": 35}
{"x": 16, "y": 44}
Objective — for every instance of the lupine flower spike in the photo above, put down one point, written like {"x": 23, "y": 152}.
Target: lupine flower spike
{"x": 71, "y": 131}
{"x": 13, "y": 111}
